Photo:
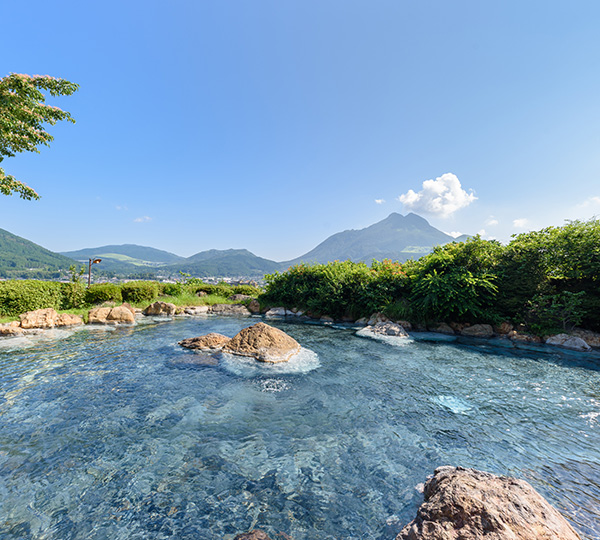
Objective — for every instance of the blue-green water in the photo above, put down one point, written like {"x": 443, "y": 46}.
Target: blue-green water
{"x": 124, "y": 435}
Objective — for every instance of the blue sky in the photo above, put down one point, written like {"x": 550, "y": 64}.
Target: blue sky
{"x": 271, "y": 125}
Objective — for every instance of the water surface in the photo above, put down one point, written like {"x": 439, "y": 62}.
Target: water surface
{"x": 121, "y": 434}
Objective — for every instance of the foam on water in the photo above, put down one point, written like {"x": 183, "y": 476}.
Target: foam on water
{"x": 13, "y": 343}
{"x": 303, "y": 362}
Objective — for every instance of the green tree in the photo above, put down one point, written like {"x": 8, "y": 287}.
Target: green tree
{"x": 455, "y": 282}
{"x": 23, "y": 113}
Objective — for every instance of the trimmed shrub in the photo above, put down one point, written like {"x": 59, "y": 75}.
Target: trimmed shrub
{"x": 171, "y": 289}
{"x": 137, "y": 292}
{"x": 17, "y": 297}
{"x": 103, "y": 292}
{"x": 220, "y": 289}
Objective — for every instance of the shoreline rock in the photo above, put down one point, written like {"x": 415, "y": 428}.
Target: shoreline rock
{"x": 229, "y": 309}
{"x": 160, "y": 309}
{"x": 471, "y": 504}
{"x": 122, "y": 314}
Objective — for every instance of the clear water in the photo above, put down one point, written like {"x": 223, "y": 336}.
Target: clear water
{"x": 124, "y": 435}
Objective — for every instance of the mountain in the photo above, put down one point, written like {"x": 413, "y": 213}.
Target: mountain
{"x": 126, "y": 258}
{"x": 397, "y": 237}
{"x": 131, "y": 260}
{"x": 20, "y": 258}
{"x": 227, "y": 262}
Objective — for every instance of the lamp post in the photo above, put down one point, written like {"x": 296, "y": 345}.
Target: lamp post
{"x": 92, "y": 261}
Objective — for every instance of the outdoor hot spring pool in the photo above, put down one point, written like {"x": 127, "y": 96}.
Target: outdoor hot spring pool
{"x": 121, "y": 434}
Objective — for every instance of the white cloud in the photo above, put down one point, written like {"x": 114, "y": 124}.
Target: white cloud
{"x": 454, "y": 234}
{"x": 121, "y": 207}
{"x": 491, "y": 221}
{"x": 379, "y": 201}
{"x": 520, "y": 223}
{"x": 591, "y": 201}
{"x": 143, "y": 219}
{"x": 442, "y": 196}
{"x": 481, "y": 233}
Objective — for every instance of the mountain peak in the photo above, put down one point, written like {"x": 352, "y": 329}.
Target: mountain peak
{"x": 396, "y": 237}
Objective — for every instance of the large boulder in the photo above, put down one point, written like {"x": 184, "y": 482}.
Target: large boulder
{"x": 478, "y": 330}
{"x": 209, "y": 342}
{"x": 40, "y": 318}
{"x": 263, "y": 342}
{"x": 569, "y": 342}
{"x": 467, "y": 504}
{"x": 160, "y": 309}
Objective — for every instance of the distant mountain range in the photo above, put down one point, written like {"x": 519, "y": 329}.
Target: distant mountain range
{"x": 397, "y": 237}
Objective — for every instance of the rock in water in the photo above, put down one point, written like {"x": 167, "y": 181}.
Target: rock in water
{"x": 569, "y": 342}
{"x": 469, "y": 504}
{"x": 386, "y": 328}
{"x": 264, "y": 343}
{"x": 209, "y": 342}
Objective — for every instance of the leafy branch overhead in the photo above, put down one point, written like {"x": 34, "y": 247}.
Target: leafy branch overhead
{"x": 23, "y": 113}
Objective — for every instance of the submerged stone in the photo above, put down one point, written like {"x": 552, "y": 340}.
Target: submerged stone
{"x": 470, "y": 504}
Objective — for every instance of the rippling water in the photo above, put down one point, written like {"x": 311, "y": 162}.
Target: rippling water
{"x": 121, "y": 434}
